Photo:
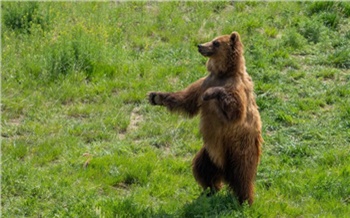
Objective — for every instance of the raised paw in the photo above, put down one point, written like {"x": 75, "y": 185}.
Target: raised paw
{"x": 153, "y": 98}
{"x": 213, "y": 93}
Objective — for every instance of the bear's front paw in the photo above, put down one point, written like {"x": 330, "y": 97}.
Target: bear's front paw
{"x": 155, "y": 98}
{"x": 212, "y": 93}
{"x": 207, "y": 97}
{"x": 152, "y": 98}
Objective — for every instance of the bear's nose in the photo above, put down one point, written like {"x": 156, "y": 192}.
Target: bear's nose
{"x": 199, "y": 45}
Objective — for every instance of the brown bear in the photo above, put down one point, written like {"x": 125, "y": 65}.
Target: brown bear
{"x": 229, "y": 118}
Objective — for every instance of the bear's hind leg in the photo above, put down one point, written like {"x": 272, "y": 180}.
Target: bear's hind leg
{"x": 206, "y": 173}
{"x": 240, "y": 178}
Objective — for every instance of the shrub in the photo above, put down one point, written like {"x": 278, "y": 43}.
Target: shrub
{"x": 310, "y": 30}
{"x": 342, "y": 8}
{"x": 330, "y": 19}
{"x": 317, "y": 7}
{"x": 340, "y": 58}
{"x": 293, "y": 39}
{"x": 78, "y": 52}
{"x": 20, "y": 16}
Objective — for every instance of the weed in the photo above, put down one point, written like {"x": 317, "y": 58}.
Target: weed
{"x": 311, "y": 30}
{"x": 22, "y": 16}
{"x": 293, "y": 39}
{"x": 340, "y": 58}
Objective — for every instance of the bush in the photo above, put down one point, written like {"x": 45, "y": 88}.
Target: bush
{"x": 77, "y": 52}
{"x": 69, "y": 56}
{"x": 340, "y": 58}
{"x": 310, "y": 30}
{"x": 293, "y": 39}
{"x": 20, "y": 16}
{"x": 342, "y": 8}
{"x": 330, "y": 19}
{"x": 317, "y": 7}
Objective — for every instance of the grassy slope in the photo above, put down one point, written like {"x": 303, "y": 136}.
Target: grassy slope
{"x": 80, "y": 140}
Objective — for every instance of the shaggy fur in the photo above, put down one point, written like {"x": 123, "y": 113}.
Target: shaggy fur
{"x": 230, "y": 121}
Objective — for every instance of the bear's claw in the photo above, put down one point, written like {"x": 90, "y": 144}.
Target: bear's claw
{"x": 151, "y": 98}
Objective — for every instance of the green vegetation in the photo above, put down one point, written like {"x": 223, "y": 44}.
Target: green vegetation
{"x": 80, "y": 140}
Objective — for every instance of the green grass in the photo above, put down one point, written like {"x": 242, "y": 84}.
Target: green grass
{"x": 79, "y": 138}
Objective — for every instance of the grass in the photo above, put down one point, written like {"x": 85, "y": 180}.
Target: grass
{"x": 80, "y": 140}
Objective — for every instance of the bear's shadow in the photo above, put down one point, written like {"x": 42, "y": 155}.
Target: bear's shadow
{"x": 213, "y": 206}
{"x": 218, "y": 205}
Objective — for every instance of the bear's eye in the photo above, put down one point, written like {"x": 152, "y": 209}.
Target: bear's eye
{"x": 216, "y": 44}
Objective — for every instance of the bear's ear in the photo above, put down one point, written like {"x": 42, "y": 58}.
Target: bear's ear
{"x": 234, "y": 37}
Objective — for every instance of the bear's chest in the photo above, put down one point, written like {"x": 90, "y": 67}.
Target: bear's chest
{"x": 213, "y": 81}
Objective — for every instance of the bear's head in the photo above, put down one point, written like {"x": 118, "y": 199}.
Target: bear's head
{"x": 225, "y": 54}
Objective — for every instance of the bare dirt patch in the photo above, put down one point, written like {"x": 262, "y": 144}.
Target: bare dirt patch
{"x": 135, "y": 119}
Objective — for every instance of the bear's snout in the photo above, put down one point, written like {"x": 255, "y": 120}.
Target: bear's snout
{"x": 200, "y": 48}
{"x": 204, "y": 50}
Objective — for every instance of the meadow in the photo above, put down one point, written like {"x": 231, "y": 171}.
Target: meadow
{"x": 79, "y": 139}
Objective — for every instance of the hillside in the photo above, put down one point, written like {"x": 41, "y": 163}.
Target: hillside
{"x": 79, "y": 138}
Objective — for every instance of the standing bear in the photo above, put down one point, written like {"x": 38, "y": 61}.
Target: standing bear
{"x": 229, "y": 118}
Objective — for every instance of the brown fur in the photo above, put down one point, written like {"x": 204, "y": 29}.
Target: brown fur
{"x": 230, "y": 121}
